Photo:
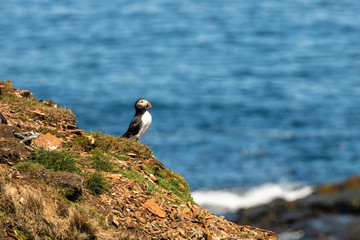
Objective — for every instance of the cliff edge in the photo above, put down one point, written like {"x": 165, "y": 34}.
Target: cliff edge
{"x": 60, "y": 182}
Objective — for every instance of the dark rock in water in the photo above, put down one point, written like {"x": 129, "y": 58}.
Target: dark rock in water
{"x": 331, "y": 212}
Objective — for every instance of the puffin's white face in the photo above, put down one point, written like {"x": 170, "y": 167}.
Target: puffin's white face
{"x": 143, "y": 103}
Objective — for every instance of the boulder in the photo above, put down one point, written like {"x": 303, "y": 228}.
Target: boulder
{"x": 47, "y": 141}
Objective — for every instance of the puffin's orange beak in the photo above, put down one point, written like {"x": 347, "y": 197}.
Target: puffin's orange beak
{"x": 148, "y": 105}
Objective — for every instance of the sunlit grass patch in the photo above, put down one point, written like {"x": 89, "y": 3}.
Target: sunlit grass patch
{"x": 120, "y": 146}
{"x": 172, "y": 181}
{"x": 100, "y": 161}
{"x": 56, "y": 160}
{"x": 122, "y": 157}
{"x": 139, "y": 178}
{"x": 96, "y": 183}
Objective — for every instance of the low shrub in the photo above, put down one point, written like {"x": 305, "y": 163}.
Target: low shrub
{"x": 101, "y": 161}
{"x": 56, "y": 160}
{"x": 96, "y": 183}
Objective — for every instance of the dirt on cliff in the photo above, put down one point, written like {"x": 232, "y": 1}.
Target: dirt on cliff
{"x": 60, "y": 182}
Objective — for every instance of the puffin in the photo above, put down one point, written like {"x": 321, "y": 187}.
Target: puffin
{"x": 2, "y": 119}
{"x": 141, "y": 121}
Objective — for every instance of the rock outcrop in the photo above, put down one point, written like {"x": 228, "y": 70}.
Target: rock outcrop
{"x": 60, "y": 182}
{"x": 331, "y": 212}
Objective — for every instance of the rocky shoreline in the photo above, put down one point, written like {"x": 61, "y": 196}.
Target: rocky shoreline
{"x": 331, "y": 212}
{"x": 60, "y": 182}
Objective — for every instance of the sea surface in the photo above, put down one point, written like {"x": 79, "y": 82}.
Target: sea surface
{"x": 251, "y": 99}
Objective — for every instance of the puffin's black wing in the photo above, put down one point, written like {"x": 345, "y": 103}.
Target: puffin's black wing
{"x": 134, "y": 127}
{"x": 2, "y": 119}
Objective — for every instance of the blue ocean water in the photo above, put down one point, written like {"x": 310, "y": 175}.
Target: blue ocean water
{"x": 244, "y": 93}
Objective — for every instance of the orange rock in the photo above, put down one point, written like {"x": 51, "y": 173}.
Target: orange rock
{"x": 115, "y": 221}
{"x": 128, "y": 220}
{"x": 47, "y": 141}
{"x": 154, "y": 208}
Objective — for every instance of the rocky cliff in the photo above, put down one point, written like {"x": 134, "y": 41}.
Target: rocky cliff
{"x": 60, "y": 182}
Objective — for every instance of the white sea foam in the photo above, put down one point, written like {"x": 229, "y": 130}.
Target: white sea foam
{"x": 222, "y": 201}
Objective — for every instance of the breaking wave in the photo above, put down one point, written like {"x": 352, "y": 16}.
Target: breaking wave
{"x": 224, "y": 201}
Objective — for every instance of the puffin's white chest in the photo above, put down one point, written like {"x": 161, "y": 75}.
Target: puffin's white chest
{"x": 146, "y": 121}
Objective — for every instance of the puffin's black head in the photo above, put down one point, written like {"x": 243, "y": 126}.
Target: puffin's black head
{"x": 142, "y": 103}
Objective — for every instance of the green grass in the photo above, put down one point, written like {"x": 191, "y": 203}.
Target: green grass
{"x": 132, "y": 174}
{"x": 96, "y": 183}
{"x": 173, "y": 182}
{"x": 56, "y": 160}
{"x": 122, "y": 157}
{"x": 120, "y": 146}
{"x": 100, "y": 161}
{"x": 138, "y": 177}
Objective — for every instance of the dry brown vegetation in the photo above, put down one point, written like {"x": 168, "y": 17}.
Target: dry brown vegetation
{"x": 37, "y": 213}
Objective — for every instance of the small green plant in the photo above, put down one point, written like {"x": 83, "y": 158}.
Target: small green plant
{"x": 101, "y": 161}
{"x": 56, "y": 160}
{"x": 83, "y": 142}
{"x": 96, "y": 183}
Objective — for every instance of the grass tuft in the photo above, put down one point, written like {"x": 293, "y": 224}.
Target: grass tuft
{"x": 101, "y": 161}
{"x": 96, "y": 183}
{"x": 56, "y": 160}
{"x": 82, "y": 225}
{"x": 120, "y": 146}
